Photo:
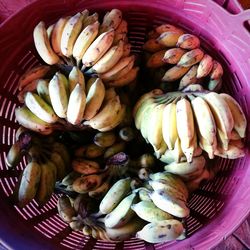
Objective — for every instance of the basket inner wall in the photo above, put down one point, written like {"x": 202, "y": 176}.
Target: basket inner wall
{"x": 205, "y": 204}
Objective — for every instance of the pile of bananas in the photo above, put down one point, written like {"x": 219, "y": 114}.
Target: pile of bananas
{"x": 48, "y": 162}
{"x": 173, "y": 55}
{"x": 180, "y": 125}
{"x": 98, "y": 48}
{"x": 148, "y": 213}
{"x": 64, "y": 102}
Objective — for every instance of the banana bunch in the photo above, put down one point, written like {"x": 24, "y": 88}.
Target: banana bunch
{"x": 82, "y": 40}
{"x": 182, "y": 60}
{"x": 48, "y": 162}
{"x": 64, "y": 102}
{"x": 180, "y": 126}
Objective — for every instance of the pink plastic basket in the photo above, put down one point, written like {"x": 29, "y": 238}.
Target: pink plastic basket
{"x": 217, "y": 208}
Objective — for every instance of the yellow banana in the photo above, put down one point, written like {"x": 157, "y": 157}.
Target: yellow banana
{"x": 205, "y": 66}
{"x": 40, "y": 108}
{"x": 14, "y": 154}
{"x": 31, "y": 75}
{"x": 30, "y": 121}
{"x": 42, "y": 44}
{"x": 76, "y": 105}
{"x": 109, "y": 94}
{"x": 232, "y": 152}
{"x": 111, "y": 20}
{"x": 191, "y": 57}
{"x": 185, "y": 122}
{"x": 240, "y": 122}
{"x": 156, "y": 60}
{"x": 175, "y": 73}
{"x": 84, "y": 40}
{"x": 50, "y": 30}
{"x": 109, "y": 60}
{"x": 98, "y": 48}
{"x": 125, "y": 79}
{"x": 221, "y": 113}
{"x": 114, "y": 149}
{"x": 105, "y": 139}
{"x": 205, "y": 125}
{"x": 118, "y": 118}
{"x": 58, "y": 95}
{"x": 57, "y": 34}
{"x": 70, "y": 33}
{"x": 169, "y": 125}
{"x": 76, "y": 77}
{"x": 123, "y": 66}
{"x": 167, "y": 27}
{"x": 121, "y": 32}
{"x": 105, "y": 115}
{"x": 173, "y": 56}
{"x": 188, "y": 41}
{"x": 169, "y": 38}
{"x": 94, "y": 99}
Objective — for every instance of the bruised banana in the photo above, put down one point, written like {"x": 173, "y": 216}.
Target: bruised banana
{"x": 121, "y": 32}
{"x": 30, "y": 121}
{"x": 114, "y": 196}
{"x": 149, "y": 212}
{"x": 189, "y": 78}
{"x": 173, "y": 56}
{"x": 105, "y": 139}
{"x": 161, "y": 231}
{"x": 40, "y": 108}
{"x": 205, "y": 66}
{"x": 98, "y": 48}
{"x": 84, "y": 40}
{"x": 43, "y": 46}
{"x": 232, "y": 152}
{"x": 90, "y": 19}
{"x": 153, "y": 45}
{"x": 76, "y": 105}
{"x": 94, "y": 99}
{"x": 217, "y": 71}
{"x": 70, "y": 33}
{"x": 100, "y": 191}
{"x": 29, "y": 183}
{"x": 65, "y": 210}
{"x": 122, "y": 213}
{"x": 156, "y": 60}
{"x": 191, "y": 57}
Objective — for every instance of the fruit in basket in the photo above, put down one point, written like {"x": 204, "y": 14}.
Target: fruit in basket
{"x": 190, "y": 121}
{"x": 180, "y": 56}
{"x": 161, "y": 231}
{"x": 94, "y": 46}
{"x": 63, "y": 103}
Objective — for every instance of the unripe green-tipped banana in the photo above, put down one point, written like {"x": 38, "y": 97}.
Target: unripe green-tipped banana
{"x": 122, "y": 213}
{"x": 76, "y": 77}
{"x": 40, "y": 108}
{"x": 94, "y": 99}
{"x": 29, "y": 183}
{"x": 149, "y": 212}
{"x": 70, "y": 33}
{"x": 169, "y": 204}
{"x": 58, "y": 95}
{"x": 42, "y": 89}
{"x": 42, "y": 44}
{"x": 113, "y": 197}
{"x": 30, "y": 121}
{"x": 161, "y": 231}
{"x": 76, "y": 105}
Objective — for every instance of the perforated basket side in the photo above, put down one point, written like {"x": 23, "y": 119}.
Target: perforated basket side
{"x": 216, "y": 209}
